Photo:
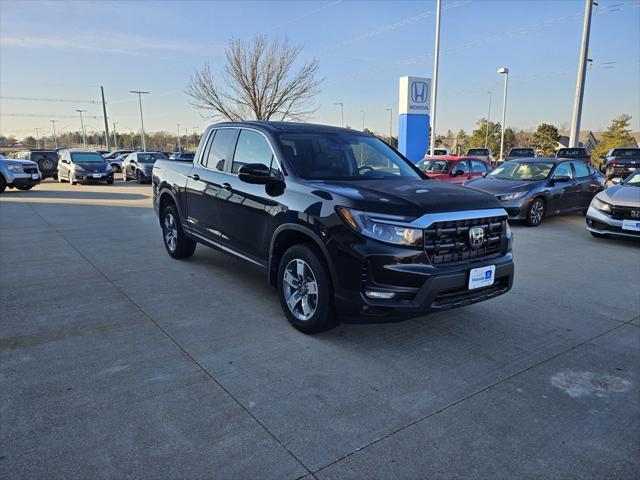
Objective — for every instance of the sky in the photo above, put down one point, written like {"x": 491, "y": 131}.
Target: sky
{"x": 55, "y": 55}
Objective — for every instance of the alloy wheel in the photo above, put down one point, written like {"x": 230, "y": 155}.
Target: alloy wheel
{"x": 170, "y": 232}
{"x": 537, "y": 212}
{"x": 300, "y": 289}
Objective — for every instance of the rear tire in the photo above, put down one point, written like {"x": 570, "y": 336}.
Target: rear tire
{"x": 24, "y": 188}
{"x": 305, "y": 290}
{"x": 178, "y": 245}
{"x": 3, "y": 184}
{"x": 535, "y": 212}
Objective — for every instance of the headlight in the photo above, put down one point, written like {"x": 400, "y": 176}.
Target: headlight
{"x": 15, "y": 168}
{"x": 109, "y": 167}
{"x": 77, "y": 168}
{"x": 372, "y": 227}
{"x": 600, "y": 205}
{"x": 511, "y": 196}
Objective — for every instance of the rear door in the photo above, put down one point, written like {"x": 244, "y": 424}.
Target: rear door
{"x": 205, "y": 183}
{"x": 586, "y": 182}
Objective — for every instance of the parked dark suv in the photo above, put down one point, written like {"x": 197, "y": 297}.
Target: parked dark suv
{"x": 342, "y": 224}
{"x": 47, "y": 161}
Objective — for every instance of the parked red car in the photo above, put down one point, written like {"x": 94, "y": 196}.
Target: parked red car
{"x": 452, "y": 169}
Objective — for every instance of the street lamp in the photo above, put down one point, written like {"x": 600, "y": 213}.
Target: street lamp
{"x": 503, "y": 71}
{"x": 486, "y": 136}
{"x": 84, "y": 134}
{"x": 390, "y": 110}
{"x": 55, "y": 137}
{"x": 434, "y": 85}
{"x": 37, "y": 138}
{"x": 341, "y": 113}
{"x": 179, "y": 148}
{"x": 140, "y": 93}
{"x": 362, "y": 112}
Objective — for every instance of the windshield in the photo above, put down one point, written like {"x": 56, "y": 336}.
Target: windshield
{"x": 633, "y": 180}
{"x": 434, "y": 166}
{"x": 522, "y": 171}
{"x": 150, "y": 157}
{"x": 343, "y": 156}
{"x": 87, "y": 157}
{"x": 626, "y": 152}
{"x": 478, "y": 151}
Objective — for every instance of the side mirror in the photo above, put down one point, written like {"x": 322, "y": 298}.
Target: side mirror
{"x": 484, "y": 175}
{"x": 616, "y": 180}
{"x": 561, "y": 178}
{"x": 257, "y": 174}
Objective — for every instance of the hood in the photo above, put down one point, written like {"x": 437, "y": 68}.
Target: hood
{"x": 405, "y": 197}
{"x": 11, "y": 161}
{"x": 92, "y": 166}
{"x": 622, "y": 195}
{"x": 497, "y": 186}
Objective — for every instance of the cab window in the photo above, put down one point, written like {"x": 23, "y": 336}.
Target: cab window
{"x": 252, "y": 147}
{"x": 219, "y": 148}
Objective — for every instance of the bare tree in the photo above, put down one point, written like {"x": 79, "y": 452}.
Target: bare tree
{"x": 260, "y": 83}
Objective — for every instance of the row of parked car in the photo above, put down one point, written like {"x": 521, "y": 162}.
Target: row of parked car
{"x": 27, "y": 168}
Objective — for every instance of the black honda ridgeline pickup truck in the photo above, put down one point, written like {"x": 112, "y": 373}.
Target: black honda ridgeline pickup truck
{"x": 342, "y": 224}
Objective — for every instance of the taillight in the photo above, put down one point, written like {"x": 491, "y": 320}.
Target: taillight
{"x": 614, "y": 162}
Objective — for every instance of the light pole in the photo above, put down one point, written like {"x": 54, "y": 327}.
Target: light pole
{"x": 503, "y": 71}
{"x": 486, "y": 135}
{"x": 140, "y": 93}
{"x": 574, "y": 139}
{"x": 115, "y": 138}
{"x": 84, "y": 134}
{"x": 179, "y": 148}
{"x": 362, "y": 112}
{"x": 37, "y": 138}
{"x": 341, "y": 113}
{"x": 55, "y": 137}
{"x": 434, "y": 86}
{"x": 390, "y": 110}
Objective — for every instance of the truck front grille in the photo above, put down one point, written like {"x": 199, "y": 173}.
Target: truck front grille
{"x": 29, "y": 169}
{"x": 448, "y": 242}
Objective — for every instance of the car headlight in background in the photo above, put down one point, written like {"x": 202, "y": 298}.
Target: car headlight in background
{"x": 511, "y": 196}
{"x": 109, "y": 168}
{"x": 600, "y": 205}
{"x": 77, "y": 168}
{"x": 15, "y": 168}
{"x": 363, "y": 223}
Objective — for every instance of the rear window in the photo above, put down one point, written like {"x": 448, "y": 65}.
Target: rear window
{"x": 626, "y": 152}
{"x": 478, "y": 151}
{"x": 523, "y": 152}
{"x": 573, "y": 152}
{"x": 150, "y": 157}
{"x": 36, "y": 156}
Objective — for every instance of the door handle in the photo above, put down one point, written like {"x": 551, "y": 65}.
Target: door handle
{"x": 195, "y": 176}
{"x": 226, "y": 186}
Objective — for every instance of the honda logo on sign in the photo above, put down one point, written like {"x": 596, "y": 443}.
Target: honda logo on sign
{"x": 419, "y": 92}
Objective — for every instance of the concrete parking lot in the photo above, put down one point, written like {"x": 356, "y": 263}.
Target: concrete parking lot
{"x": 118, "y": 361}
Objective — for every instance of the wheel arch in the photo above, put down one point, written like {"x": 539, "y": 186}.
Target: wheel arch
{"x": 288, "y": 235}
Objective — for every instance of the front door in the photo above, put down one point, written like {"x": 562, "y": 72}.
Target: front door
{"x": 246, "y": 210}
{"x": 563, "y": 196}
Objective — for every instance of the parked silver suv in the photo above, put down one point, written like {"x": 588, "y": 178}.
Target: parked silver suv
{"x": 21, "y": 174}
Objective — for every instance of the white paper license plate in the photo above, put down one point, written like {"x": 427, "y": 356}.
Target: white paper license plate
{"x": 481, "y": 277}
{"x": 97, "y": 175}
{"x": 35, "y": 176}
{"x": 631, "y": 169}
{"x": 633, "y": 225}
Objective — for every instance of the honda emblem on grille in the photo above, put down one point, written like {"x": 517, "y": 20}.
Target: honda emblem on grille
{"x": 635, "y": 213}
{"x": 476, "y": 237}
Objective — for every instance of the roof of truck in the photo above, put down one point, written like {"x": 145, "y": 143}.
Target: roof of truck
{"x": 289, "y": 127}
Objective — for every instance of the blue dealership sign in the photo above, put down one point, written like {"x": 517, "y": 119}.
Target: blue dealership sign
{"x": 413, "y": 122}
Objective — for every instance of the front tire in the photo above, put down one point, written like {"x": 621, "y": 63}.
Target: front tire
{"x": 3, "y": 184}
{"x": 178, "y": 245}
{"x": 139, "y": 178}
{"x": 71, "y": 179}
{"x": 535, "y": 212}
{"x": 305, "y": 290}
{"x": 24, "y": 187}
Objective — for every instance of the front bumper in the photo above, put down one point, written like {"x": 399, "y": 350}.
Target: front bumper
{"x": 517, "y": 209}
{"x": 418, "y": 286}
{"x": 622, "y": 171}
{"x": 22, "y": 179}
{"x": 89, "y": 178}
{"x": 603, "y": 224}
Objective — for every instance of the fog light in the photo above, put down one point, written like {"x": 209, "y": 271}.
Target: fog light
{"x": 379, "y": 295}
